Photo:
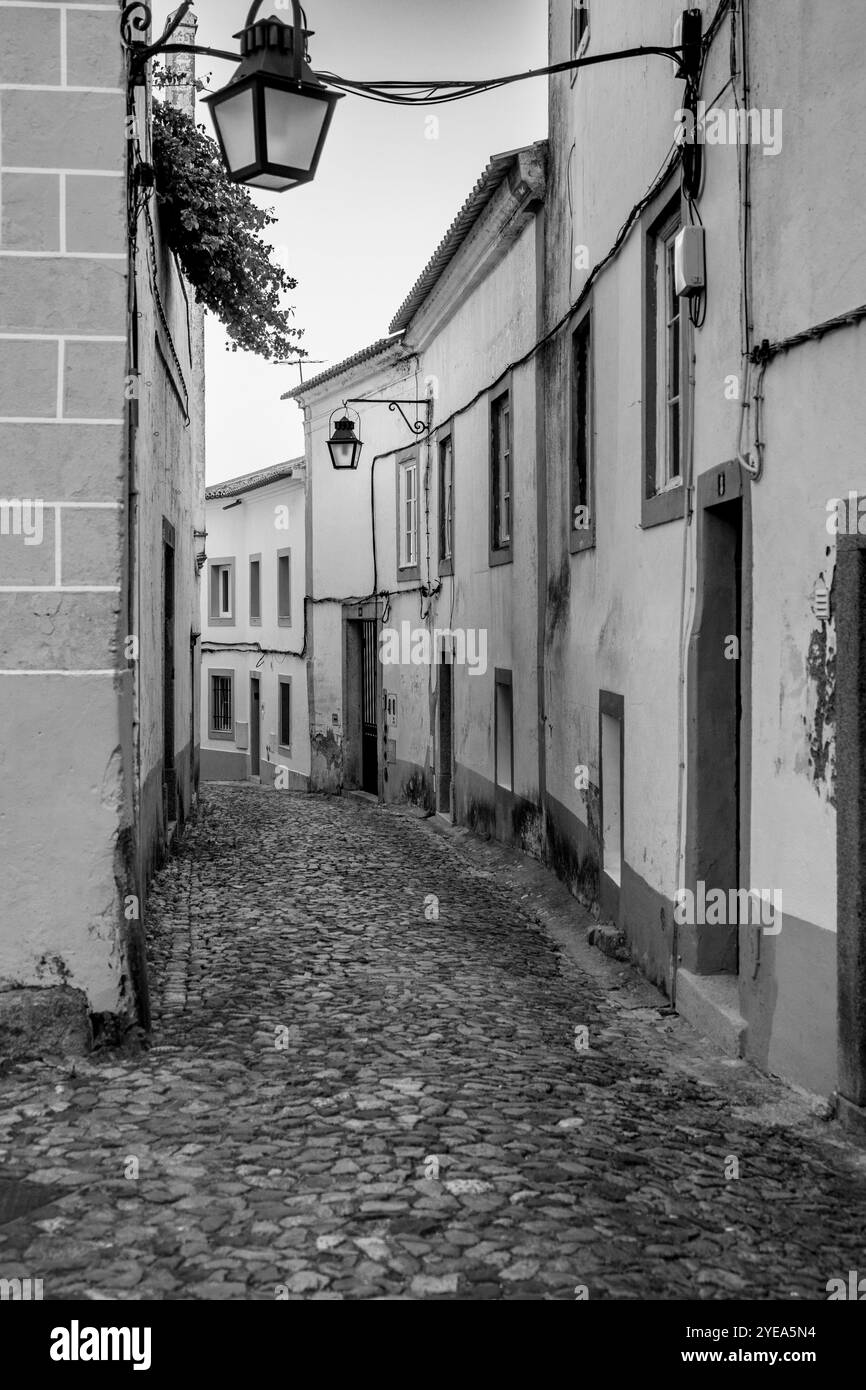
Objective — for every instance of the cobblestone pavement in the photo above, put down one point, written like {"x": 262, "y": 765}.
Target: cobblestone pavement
{"x": 347, "y": 1097}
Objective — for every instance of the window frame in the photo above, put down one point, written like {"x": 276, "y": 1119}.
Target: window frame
{"x": 216, "y": 619}
{"x": 579, "y": 540}
{"x": 445, "y": 440}
{"x": 662, "y": 220}
{"x": 281, "y": 746}
{"x": 255, "y": 618}
{"x": 500, "y": 552}
{"x": 284, "y": 619}
{"x": 221, "y": 735}
{"x": 408, "y": 569}
{"x": 578, "y": 49}
{"x": 502, "y": 679}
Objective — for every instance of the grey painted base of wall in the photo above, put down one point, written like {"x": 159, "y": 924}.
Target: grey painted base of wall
{"x": 218, "y": 765}
{"x": 795, "y": 1040}
{"x": 229, "y": 765}
{"x": 647, "y": 918}
{"x": 408, "y": 781}
{"x": 793, "y": 1036}
{"x": 852, "y": 1117}
{"x": 644, "y": 915}
{"x": 294, "y": 782}
{"x": 493, "y": 811}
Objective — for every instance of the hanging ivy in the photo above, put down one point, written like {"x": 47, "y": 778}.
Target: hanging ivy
{"x": 214, "y": 227}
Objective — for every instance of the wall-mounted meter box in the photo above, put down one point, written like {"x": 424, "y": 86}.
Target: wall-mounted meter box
{"x": 690, "y": 265}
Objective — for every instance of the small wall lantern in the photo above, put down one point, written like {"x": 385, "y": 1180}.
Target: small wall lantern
{"x": 344, "y": 445}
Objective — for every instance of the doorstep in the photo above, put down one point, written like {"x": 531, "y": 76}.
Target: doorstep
{"x": 711, "y": 1004}
{"x": 355, "y": 794}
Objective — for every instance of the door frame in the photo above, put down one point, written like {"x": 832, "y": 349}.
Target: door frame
{"x": 256, "y": 733}
{"x": 442, "y": 665}
{"x": 713, "y": 949}
{"x": 354, "y": 615}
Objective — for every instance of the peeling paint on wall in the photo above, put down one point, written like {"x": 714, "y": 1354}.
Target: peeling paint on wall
{"x": 326, "y": 760}
{"x": 418, "y": 791}
{"x": 528, "y": 826}
{"x": 481, "y": 817}
{"x": 580, "y": 875}
{"x": 820, "y": 719}
{"x": 52, "y": 969}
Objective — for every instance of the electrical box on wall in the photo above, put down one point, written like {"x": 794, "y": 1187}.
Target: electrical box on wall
{"x": 690, "y": 265}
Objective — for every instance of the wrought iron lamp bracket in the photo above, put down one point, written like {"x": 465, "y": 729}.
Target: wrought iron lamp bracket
{"x": 136, "y": 19}
{"x": 418, "y": 427}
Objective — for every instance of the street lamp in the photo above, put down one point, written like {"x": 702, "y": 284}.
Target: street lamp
{"x": 344, "y": 446}
{"x": 272, "y": 118}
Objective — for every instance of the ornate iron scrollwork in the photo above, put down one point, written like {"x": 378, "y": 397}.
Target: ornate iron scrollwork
{"x": 136, "y": 18}
{"x": 134, "y": 22}
{"x": 416, "y": 426}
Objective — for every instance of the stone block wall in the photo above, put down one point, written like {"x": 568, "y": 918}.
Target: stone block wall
{"x": 66, "y": 765}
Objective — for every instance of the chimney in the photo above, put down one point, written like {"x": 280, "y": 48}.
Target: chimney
{"x": 181, "y": 69}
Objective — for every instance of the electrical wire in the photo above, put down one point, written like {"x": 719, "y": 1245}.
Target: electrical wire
{"x": 669, "y": 164}
{"x": 767, "y": 351}
{"x": 438, "y": 92}
{"x": 160, "y": 308}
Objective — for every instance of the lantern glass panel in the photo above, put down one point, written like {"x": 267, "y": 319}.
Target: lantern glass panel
{"x": 294, "y": 124}
{"x": 235, "y": 120}
{"x": 343, "y": 454}
{"x": 272, "y": 181}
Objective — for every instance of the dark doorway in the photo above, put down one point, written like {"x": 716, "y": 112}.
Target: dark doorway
{"x": 715, "y": 716}
{"x": 255, "y": 726}
{"x": 169, "y": 774}
{"x": 446, "y": 727}
{"x": 369, "y": 726}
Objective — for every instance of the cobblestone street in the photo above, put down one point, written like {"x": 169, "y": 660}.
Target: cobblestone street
{"x": 350, "y": 1097}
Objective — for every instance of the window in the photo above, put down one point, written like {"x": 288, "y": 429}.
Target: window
{"x": 666, "y": 373}
{"x": 221, "y": 705}
{"x": 407, "y": 508}
{"x": 582, "y": 518}
{"x": 222, "y": 592}
{"x": 668, "y": 361}
{"x": 579, "y": 32}
{"x": 500, "y": 478}
{"x": 446, "y": 506}
{"x": 255, "y": 589}
{"x": 284, "y": 588}
{"x": 285, "y": 714}
{"x": 503, "y": 730}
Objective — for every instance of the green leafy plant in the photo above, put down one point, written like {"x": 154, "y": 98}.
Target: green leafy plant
{"x": 214, "y": 228}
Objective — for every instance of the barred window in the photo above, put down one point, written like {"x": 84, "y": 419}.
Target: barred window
{"x": 222, "y": 715}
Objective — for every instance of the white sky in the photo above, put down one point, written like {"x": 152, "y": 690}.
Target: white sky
{"x": 359, "y": 235}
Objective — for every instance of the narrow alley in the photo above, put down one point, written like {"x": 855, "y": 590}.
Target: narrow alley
{"x": 382, "y": 1066}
